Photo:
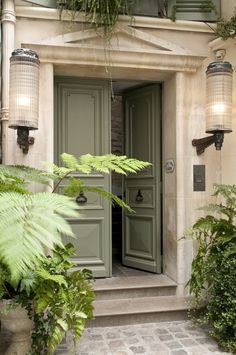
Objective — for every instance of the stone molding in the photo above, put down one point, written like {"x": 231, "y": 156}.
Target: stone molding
{"x": 8, "y": 16}
{"x": 140, "y": 21}
{"x": 4, "y": 114}
{"x": 219, "y": 43}
{"x": 132, "y": 48}
{"x": 69, "y": 55}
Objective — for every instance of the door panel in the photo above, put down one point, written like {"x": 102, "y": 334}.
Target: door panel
{"x": 82, "y": 125}
{"x": 142, "y": 229}
{"x": 147, "y": 196}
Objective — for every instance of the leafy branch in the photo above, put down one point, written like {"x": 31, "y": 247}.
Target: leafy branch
{"x": 227, "y": 29}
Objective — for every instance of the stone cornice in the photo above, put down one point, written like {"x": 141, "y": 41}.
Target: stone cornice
{"x": 140, "y": 21}
{"x": 72, "y": 55}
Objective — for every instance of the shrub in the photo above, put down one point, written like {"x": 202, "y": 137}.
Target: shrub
{"x": 213, "y": 277}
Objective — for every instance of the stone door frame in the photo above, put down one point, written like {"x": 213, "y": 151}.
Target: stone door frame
{"x": 147, "y": 58}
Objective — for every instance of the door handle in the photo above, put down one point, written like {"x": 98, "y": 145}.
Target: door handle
{"x": 139, "y": 197}
{"x": 81, "y": 199}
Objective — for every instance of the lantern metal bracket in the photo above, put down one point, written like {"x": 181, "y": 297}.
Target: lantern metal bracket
{"x": 201, "y": 144}
{"x": 23, "y": 139}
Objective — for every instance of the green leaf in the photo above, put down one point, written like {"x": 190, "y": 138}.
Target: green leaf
{"x": 45, "y": 275}
{"x": 62, "y": 324}
{"x": 81, "y": 315}
{"x": 26, "y": 230}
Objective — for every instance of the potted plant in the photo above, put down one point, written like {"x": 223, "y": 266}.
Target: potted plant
{"x": 46, "y": 303}
{"x": 213, "y": 277}
{"x": 56, "y": 299}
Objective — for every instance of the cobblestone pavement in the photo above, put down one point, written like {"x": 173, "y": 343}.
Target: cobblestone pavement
{"x": 167, "y": 338}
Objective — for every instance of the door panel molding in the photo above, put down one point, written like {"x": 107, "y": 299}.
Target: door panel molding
{"x": 82, "y": 125}
{"x": 91, "y": 100}
{"x": 148, "y": 193}
{"x": 135, "y": 126}
{"x": 136, "y": 246}
{"x": 142, "y": 231}
{"x": 94, "y": 201}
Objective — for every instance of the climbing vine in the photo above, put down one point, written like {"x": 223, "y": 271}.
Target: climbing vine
{"x": 103, "y": 13}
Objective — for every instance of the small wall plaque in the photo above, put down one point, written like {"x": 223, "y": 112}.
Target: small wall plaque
{"x": 199, "y": 178}
{"x": 170, "y": 166}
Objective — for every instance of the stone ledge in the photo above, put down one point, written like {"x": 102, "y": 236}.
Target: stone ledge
{"x": 140, "y": 21}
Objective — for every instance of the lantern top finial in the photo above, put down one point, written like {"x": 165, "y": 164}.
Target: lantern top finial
{"x": 219, "y": 66}
{"x": 25, "y": 54}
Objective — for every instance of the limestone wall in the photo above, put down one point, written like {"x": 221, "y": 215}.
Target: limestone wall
{"x": 183, "y": 114}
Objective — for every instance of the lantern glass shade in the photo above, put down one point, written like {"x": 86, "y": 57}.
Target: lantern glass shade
{"x": 219, "y": 86}
{"x": 24, "y": 89}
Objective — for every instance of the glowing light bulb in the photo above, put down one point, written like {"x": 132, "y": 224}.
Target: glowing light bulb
{"x": 23, "y": 100}
{"x": 218, "y": 108}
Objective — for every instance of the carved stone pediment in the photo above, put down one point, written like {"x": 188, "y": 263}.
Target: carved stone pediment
{"x": 129, "y": 47}
{"x": 124, "y": 38}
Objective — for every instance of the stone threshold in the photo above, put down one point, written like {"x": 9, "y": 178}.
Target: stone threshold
{"x": 140, "y": 305}
{"x": 137, "y": 282}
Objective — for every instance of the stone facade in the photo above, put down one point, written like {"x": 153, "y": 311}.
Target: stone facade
{"x": 157, "y": 50}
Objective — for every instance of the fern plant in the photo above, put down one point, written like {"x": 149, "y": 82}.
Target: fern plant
{"x": 30, "y": 224}
{"x": 213, "y": 277}
{"x": 71, "y": 307}
{"x": 25, "y": 230}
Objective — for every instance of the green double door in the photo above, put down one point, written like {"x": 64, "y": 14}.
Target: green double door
{"x": 83, "y": 125}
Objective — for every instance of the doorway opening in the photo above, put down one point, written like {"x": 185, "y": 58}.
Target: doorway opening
{"x": 82, "y": 125}
{"x": 117, "y": 139}
{"x": 120, "y": 89}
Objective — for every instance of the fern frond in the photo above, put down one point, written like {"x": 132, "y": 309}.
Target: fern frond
{"x": 205, "y": 223}
{"x": 25, "y": 173}
{"x": 226, "y": 191}
{"x": 55, "y": 339}
{"x": 58, "y": 172}
{"x": 14, "y": 185}
{"x": 108, "y": 196}
{"x": 212, "y": 208}
{"x": 104, "y": 164}
{"x": 73, "y": 187}
{"x": 70, "y": 161}
{"x": 29, "y": 224}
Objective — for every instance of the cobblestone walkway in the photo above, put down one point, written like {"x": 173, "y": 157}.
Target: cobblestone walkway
{"x": 167, "y": 338}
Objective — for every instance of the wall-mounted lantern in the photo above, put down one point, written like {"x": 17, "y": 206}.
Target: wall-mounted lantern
{"x": 219, "y": 87}
{"x": 24, "y": 95}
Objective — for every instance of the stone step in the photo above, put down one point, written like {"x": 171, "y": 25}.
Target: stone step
{"x": 139, "y": 310}
{"x": 134, "y": 287}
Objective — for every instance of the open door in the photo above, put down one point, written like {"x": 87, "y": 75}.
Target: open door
{"x": 82, "y": 125}
{"x": 142, "y": 229}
